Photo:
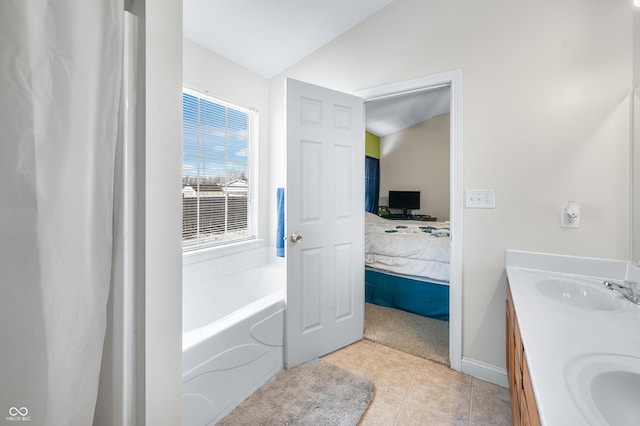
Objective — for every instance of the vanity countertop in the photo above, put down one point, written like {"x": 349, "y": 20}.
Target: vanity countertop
{"x": 560, "y": 330}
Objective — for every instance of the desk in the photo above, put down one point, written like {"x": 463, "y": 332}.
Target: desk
{"x": 416, "y": 217}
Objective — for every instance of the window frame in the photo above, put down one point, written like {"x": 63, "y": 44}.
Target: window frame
{"x": 202, "y": 242}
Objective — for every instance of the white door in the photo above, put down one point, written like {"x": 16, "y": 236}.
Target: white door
{"x": 325, "y": 209}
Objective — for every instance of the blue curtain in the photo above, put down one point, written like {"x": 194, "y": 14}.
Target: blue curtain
{"x": 372, "y": 183}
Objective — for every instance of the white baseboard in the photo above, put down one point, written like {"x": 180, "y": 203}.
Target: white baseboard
{"x": 485, "y": 371}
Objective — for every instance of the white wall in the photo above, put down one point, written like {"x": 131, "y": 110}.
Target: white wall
{"x": 635, "y": 158}
{"x": 417, "y": 159}
{"x": 545, "y": 120}
{"x": 278, "y": 157}
{"x": 160, "y": 381}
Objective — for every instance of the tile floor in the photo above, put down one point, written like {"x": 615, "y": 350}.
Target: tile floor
{"x": 414, "y": 391}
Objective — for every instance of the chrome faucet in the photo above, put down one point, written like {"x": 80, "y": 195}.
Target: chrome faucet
{"x": 629, "y": 289}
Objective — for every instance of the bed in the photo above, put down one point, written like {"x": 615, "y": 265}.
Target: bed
{"x": 407, "y": 265}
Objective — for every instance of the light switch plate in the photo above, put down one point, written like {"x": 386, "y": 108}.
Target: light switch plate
{"x": 480, "y": 198}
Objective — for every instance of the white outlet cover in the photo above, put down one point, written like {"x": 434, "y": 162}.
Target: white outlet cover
{"x": 566, "y": 222}
{"x": 480, "y": 198}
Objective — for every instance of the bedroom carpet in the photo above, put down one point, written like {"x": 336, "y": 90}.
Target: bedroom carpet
{"x": 410, "y": 333}
{"x": 315, "y": 393}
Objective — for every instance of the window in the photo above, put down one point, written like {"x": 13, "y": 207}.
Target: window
{"x": 217, "y": 138}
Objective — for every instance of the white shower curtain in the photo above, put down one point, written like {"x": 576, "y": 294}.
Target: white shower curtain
{"x": 60, "y": 76}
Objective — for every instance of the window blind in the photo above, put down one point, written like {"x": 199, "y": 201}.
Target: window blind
{"x": 217, "y": 140}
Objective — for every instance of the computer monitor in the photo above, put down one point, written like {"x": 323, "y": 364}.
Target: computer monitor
{"x": 404, "y": 200}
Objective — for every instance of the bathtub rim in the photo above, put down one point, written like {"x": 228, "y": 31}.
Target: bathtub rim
{"x": 193, "y": 338}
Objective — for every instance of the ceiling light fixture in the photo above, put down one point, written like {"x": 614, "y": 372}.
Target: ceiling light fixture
{"x": 636, "y": 3}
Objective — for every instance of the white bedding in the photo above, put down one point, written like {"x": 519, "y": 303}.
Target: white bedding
{"x": 407, "y": 249}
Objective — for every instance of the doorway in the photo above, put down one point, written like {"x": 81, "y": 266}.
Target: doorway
{"x": 452, "y": 80}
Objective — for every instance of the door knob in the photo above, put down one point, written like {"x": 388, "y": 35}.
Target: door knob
{"x": 296, "y": 238}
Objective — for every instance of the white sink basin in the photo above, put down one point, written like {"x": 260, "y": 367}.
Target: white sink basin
{"x": 606, "y": 388}
{"x": 582, "y": 294}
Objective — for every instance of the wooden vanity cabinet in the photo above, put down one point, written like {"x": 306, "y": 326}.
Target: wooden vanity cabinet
{"x": 523, "y": 403}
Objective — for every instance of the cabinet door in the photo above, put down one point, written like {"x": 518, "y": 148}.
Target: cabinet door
{"x": 529, "y": 397}
{"x": 511, "y": 364}
{"x": 523, "y": 404}
{"x": 523, "y": 416}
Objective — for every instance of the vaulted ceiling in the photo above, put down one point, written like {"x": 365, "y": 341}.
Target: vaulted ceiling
{"x": 386, "y": 116}
{"x": 269, "y": 36}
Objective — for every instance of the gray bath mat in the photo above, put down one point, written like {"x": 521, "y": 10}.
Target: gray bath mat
{"x": 410, "y": 333}
{"x": 315, "y": 393}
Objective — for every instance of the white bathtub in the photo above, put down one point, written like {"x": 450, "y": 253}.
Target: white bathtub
{"x": 232, "y": 341}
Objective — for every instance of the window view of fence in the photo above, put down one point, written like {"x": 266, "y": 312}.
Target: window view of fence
{"x": 213, "y": 211}
{"x": 216, "y": 205}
